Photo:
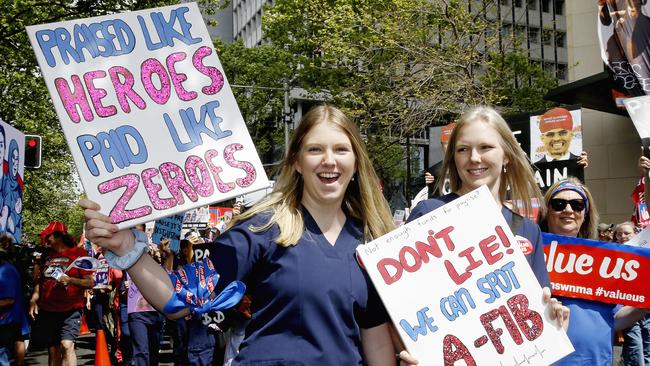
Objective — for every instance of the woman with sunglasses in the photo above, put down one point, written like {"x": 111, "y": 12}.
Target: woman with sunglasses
{"x": 571, "y": 212}
{"x": 483, "y": 151}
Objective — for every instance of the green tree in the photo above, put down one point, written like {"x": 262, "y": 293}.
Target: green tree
{"x": 51, "y": 192}
{"x": 400, "y": 66}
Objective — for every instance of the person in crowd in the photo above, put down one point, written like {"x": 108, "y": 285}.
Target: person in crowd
{"x": 102, "y": 294}
{"x": 59, "y": 297}
{"x": 12, "y": 312}
{"x": 636, "y": 339}
{"x": 483, "y": 151}
{"x": 124, "y": 335}
{"x": 434, "y": 172}
{"x": 571, "y": 211}
{"x": 624, "y": 232}
{"x": 605, "y": 232}
{"x": 325, "y": 203}
{"x": 145, "y": 322}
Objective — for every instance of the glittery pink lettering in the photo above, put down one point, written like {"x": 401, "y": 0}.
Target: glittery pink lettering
{"x": 229, "y": 157}
{"x": 152, "y": 66}
{"x": 97, "y": 94}
{"x": 154, "y": 188}
{"x": 72, "y": 99}
{"x": 203, "y": 184}
{"x": 124, "y": 89}
{"x": 221, "y": 186}
{"x": 178, "y": 78}
{"x": 174, "y": 178}
{"x": 119, "y": 213}
{"x": 212, "y": 72}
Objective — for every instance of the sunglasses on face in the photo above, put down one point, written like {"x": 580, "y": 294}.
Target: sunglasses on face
{"x": 558, "y": 204}
{"x": 551, "y": 134}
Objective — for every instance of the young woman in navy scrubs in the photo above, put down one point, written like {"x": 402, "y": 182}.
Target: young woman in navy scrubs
{"x": 482, "y": 150}
{"x": 295, "y": 251}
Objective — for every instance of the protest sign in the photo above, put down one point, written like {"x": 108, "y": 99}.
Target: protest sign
{"x": 12, "y": 160}
{"x": 639, "y": 110}
{"x": 147, "y": 112}
{"x": 548, "y": 173}
{"x": 170, "y": 228}
{"x": 102, "y": 274}
{"x": 556, "y": 135}
{"x": 641, "y": 239}
{"x": 623, "y": 35}
{"x": 201, "y": 251}
{"x": 600, "y": 271}
{"x": 458, "y": 288}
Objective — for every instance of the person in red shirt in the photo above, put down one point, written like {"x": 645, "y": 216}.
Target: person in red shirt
{"x": 59, "y": 297}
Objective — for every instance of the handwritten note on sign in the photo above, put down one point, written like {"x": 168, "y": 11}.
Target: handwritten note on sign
{"x": 460, "y": 291}
{"x": 147, "y": 112}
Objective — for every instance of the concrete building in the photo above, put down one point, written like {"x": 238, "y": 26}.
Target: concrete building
{"x": 247, "y": 20}
{"x": 540, "y": 25}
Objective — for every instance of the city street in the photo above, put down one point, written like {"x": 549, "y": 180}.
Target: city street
{"x": 86, "y": 353}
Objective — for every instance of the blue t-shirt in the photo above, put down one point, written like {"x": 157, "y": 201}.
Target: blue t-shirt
{"x": 11, "y": 288}
{"x": 533, "y": 248}
{"x": 309, "y": 301}
{"x": 591, "y": 331}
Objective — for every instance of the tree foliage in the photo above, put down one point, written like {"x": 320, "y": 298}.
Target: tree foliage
{"x": 399, "y": 66}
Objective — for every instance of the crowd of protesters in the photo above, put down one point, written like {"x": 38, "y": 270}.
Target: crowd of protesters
{"x": 46, "y": 292}
{"x": 45, "y": 298}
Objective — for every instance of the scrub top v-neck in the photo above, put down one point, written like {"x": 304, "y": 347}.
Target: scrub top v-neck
{"x": 309, "y": 301}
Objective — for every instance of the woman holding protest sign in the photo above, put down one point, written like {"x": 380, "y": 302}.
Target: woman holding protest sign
{"x": 312, "y": 303}
{"x": 483, "y": 151}
{"x": 571, "y": 212}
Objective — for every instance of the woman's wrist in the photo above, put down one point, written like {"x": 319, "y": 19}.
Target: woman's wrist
{"x": 127, "y": 257}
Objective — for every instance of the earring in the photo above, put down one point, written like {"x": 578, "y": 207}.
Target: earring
{"x": 505, "y": 170}
{"x": 353, "y": 177}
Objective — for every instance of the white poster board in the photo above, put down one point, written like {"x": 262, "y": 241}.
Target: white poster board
{"x": 639, "y": 110}
{"x": 551, "y": 123}
{"x": 458, "y": 288}
{"x": 147, "y": 112}
{"x": 12, "y": 159}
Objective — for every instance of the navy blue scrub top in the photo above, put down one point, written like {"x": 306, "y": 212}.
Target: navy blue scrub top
{"x": 309, "y": 301}
{"x": 527, "y": 229}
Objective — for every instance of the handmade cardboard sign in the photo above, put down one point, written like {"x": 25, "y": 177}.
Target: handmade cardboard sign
{"x": 639, "y": 110}
{"x": 459, "y": 289}
{"x": 147, "y": 112}
{"x": 600, "y": 271}
{"x": 168, "y": 228}
{"x": 556, "y": 135}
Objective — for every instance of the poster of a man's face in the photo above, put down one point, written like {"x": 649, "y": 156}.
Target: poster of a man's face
{"x": 556, "y": 135}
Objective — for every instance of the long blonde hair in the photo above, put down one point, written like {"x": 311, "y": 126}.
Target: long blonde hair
{"x": 363, "y": 199}
{"x": 518, "y": 177}
{"x": 589, "y": 228}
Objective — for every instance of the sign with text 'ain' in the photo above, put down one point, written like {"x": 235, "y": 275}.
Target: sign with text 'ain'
{"x": 460, "y": 291}
{"x": 147, "y": 112}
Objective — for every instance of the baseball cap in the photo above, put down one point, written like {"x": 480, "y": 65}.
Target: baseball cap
{"x": 556, "y": 118}
{"x": 603, "y": 226}
{"x": 52, "y": 227}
